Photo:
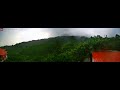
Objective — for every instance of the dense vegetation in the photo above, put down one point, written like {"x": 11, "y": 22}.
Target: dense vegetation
{"x": 60, "y": 49}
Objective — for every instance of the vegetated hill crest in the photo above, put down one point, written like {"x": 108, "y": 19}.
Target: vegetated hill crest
{"x": 51, "y": 39}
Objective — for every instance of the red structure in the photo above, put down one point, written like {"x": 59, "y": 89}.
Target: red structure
{"x": 106, "y": 56}
{"x": 3, "y": 54}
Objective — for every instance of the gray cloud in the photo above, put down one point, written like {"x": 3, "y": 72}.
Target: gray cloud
{"x": 15, "y": 35}
{"x": 84, "y": 31}
{"x": 114, "y": 31}
{"x": 59, "y": 31}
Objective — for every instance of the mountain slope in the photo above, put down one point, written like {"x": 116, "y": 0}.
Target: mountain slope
{"x": 59, "y": 49}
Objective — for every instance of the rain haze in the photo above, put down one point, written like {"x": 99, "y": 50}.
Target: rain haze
{"x": 11, "y": 36}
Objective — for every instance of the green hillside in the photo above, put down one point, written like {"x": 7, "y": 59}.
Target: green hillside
{"x": 60, "y": 49}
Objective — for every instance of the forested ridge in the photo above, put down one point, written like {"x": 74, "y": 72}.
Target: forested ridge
{"x": 61, "y": 49}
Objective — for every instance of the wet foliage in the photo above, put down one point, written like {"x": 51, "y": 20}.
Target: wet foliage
{"x": 60, "y": 49}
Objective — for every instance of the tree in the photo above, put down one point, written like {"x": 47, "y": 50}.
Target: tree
{"x": 98, "y": 36}
{"x": 106, "y": 36}
{"x": 117, "y": 36}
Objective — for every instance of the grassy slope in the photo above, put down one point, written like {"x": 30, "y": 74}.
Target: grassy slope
{"x": 59, "y": 49}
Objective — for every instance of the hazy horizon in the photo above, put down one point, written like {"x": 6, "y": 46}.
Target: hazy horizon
{"x": 12, "y": 36}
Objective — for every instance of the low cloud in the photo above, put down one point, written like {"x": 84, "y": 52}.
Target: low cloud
{"x": 15, "y": 35}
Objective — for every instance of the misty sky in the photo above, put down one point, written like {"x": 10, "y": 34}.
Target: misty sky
{"x": 11, "y": 36}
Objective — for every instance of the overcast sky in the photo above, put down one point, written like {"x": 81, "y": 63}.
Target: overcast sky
{"x": 11, "y": 36}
